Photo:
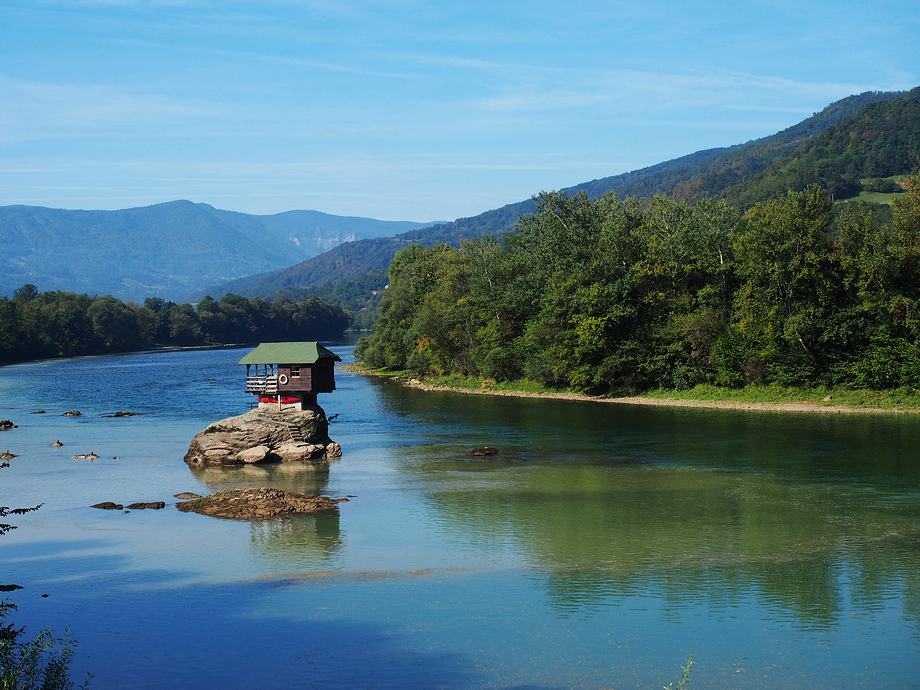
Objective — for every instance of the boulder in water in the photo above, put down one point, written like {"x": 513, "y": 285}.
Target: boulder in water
{"x": 265, "y": 435}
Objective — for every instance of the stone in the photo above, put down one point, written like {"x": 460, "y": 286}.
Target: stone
{"x": 7, "y": 424}
{"x": 152, "y": 505}
{"x": 265, "y": 435}
{"x": 258, "y": 504}
{"x": 72, "y": 413}
{"x": 186, "y": 495}
{"x": 108, "y": 505}
{"x": 253, "y": 455}
{"x": 122, "y": 413}
{"x": 481, "y": 452}
{"x": 39, "y": 412}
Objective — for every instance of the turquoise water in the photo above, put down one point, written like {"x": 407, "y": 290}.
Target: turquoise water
{"x": 601, "y": 548}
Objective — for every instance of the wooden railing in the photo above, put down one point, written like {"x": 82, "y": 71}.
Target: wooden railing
{"x": 267, "y": 385}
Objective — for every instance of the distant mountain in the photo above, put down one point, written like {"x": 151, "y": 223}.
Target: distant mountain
{"x": 704, "y": 174}
{"x": 166, "y": 250}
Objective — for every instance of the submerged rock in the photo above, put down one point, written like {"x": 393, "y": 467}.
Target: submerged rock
{"x": 482, "y": 452}
{"x": 108, "y": 505}
{"x": 258, "y": 504}
{"x": 152, "y": 505}
{"x": 265, "y": 435}
{"x": 72, "y": 413}
{"x": 122, "y": 413}
{"x": 7, "y": 424}
{"x": 187, "y": 494}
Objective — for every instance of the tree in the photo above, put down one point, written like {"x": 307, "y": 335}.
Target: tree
{"x": 784, "y": 252}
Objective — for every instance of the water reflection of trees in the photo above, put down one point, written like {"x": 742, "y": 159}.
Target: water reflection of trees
{"x": 602, "y": 532}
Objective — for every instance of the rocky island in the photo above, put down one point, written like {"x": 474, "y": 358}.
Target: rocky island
{"x": 265, "y": 434}
{"x": 258, "y": 504}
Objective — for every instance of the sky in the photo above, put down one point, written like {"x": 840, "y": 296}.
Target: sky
{"x": 409, "y": 110}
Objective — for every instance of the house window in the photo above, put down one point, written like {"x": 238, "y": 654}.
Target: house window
{"x": 295, "y": 372}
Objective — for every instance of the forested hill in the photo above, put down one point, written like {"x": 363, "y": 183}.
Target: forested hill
{"x": 614, "y": 296}
{"x": 881, "y": 140}
{"x": 711, "y": 175}
{"x": 703, "y": 174}
{"x": 166, "y": 250}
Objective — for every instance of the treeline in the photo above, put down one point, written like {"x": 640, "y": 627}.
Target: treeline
{"x": 37, "y": 325}
{"x": 613, "y": 295}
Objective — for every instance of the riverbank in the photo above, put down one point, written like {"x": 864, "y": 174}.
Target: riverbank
{"x": 752, "y": 398}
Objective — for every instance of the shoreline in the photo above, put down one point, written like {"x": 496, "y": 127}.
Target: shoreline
{"x": 798, "y": 407}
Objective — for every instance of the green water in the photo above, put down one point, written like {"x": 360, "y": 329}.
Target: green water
{"x": 601, "y": 548}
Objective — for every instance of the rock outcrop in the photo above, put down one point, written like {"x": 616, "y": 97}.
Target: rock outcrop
{"x": 258, "y": 504}
{"x": 265, "y": 435}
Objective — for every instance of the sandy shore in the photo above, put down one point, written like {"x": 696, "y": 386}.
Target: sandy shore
{"x": 800, "y": 406}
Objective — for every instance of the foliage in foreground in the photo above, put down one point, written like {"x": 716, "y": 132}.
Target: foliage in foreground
{"x": 684, "y": 677}
{"x": 610, "y": 296}
{"x": 39, "y": 664}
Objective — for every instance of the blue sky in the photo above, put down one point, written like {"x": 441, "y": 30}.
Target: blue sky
{"x": 405, "y": 110}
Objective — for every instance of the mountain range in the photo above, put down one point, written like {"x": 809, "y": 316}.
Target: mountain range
{"x": 182, "y": 250}
{"x": 166, "y": 250}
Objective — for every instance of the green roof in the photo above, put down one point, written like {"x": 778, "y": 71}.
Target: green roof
{"x": 288, "y": 353}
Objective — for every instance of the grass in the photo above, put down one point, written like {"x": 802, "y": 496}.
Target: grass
{"x": 875, "y": 197}
{"x": 461, "y": 382}
{"x": 905, "y": 400}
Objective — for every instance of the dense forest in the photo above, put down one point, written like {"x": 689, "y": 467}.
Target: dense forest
{"x": 37, "y": 325}
{"x": 616, "y": 295}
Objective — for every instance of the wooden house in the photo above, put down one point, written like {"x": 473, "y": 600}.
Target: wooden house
{"x": 290, "y": 374}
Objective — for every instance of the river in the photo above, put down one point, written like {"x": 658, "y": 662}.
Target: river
{"x": 603, "y": 547}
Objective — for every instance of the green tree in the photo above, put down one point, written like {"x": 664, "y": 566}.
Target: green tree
{"x": 784, "y": 256}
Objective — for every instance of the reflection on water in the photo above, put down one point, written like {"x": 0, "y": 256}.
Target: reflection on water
{"x": 600, "y": 548}
{"x": 304, "y": 542}
{"x": 302, "y": 477}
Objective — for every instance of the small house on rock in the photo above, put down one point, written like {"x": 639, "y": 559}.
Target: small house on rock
{"x": 289, "y": 375}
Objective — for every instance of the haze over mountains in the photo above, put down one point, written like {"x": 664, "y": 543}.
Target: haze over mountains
{"x": 181, "y": 250}
{"x": 167, "y": 250}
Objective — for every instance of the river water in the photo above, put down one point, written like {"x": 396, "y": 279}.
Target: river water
{"x": 603, "y": 547}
